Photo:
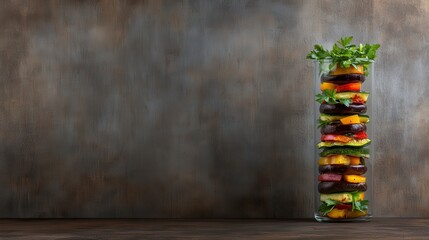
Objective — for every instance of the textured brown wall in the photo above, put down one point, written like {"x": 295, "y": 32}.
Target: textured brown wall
{"x": 196, "y": 108}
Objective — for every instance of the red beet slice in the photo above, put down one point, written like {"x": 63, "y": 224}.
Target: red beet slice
{"x": 329, "y": 177}
{"x": 344, "y": 206}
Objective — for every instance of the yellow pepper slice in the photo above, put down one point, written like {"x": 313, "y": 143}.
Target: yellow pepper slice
{"x": 327, "y": 85}
{"x": 354, "y": 160}
{"x": 335, "y": 159}
{"x": 354, "y": 178}
{"x": 337, "y": 213}
{"x": 350, "y": 70}
{"x": 345, "y": 213}
{"x": 353, "y": 119}
{"x": 339, "y": 159}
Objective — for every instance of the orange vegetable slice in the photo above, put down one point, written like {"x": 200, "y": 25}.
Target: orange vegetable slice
{"x": 339, "y": 159}
{"x": 354, "y": 160}
{"x": 335, "y": 159}
{"x": 327, "y": 85}
{"x": 353, "y": 119}
{"x": 337, "y": 213}
{"x": 356, "y": 214}
{"x": 345, "y": 213}
{"x": 350, "y": 70}
{"x": 354, "y": 178}
{"x": 336, "y": 138}
{"x": 344, "y": 139}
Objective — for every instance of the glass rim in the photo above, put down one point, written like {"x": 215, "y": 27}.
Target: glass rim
{"x": 330, "y": 60}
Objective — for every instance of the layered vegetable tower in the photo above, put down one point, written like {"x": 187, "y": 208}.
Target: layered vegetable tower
{"x": 342, "y": 123}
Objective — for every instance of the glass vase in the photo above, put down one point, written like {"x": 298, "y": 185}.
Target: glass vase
{"x": 321, "y": 72}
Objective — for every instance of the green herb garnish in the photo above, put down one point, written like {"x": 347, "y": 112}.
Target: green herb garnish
{"x": 329, "y": 204}
{"x": 328, "y": 96}
{"x": 344, "y": 54}
{"x": 358, "y": 205}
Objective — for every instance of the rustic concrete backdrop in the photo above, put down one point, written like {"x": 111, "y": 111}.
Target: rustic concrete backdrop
{"x": 196, "y": 108}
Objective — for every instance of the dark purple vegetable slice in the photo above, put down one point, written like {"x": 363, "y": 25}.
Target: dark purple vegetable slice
{"x": 335, "y": 187}
{"x": 353, "y": 108}
{"x": 343, "y": 79}
{"x": 342, "y": 169}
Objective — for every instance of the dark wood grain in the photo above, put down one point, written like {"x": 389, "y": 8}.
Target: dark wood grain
{"x": 212, "y": 229}
{"x": 165, "y": 109}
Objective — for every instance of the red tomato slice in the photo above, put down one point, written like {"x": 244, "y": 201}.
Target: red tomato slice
{"x": 357, "y": 99}
{"x": 349, "y": 87}
{"x": 361, "y": 135}
{"x": 336, "y": 138}
{"x": 343, "y": 206}
{"x": 329, "y": 177}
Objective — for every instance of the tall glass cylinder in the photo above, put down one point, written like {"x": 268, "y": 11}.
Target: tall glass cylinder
{"x": 343, "y": 169}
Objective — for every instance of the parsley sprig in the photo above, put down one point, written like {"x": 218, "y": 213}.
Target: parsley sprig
{"x": 329, "y": 97}
{"x": 358, "y": 205}
{"x": 345, "y": 54}
{"x": 327, "y": 206}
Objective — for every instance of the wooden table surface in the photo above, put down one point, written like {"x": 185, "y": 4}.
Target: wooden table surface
{"x": 381, "y": 228}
